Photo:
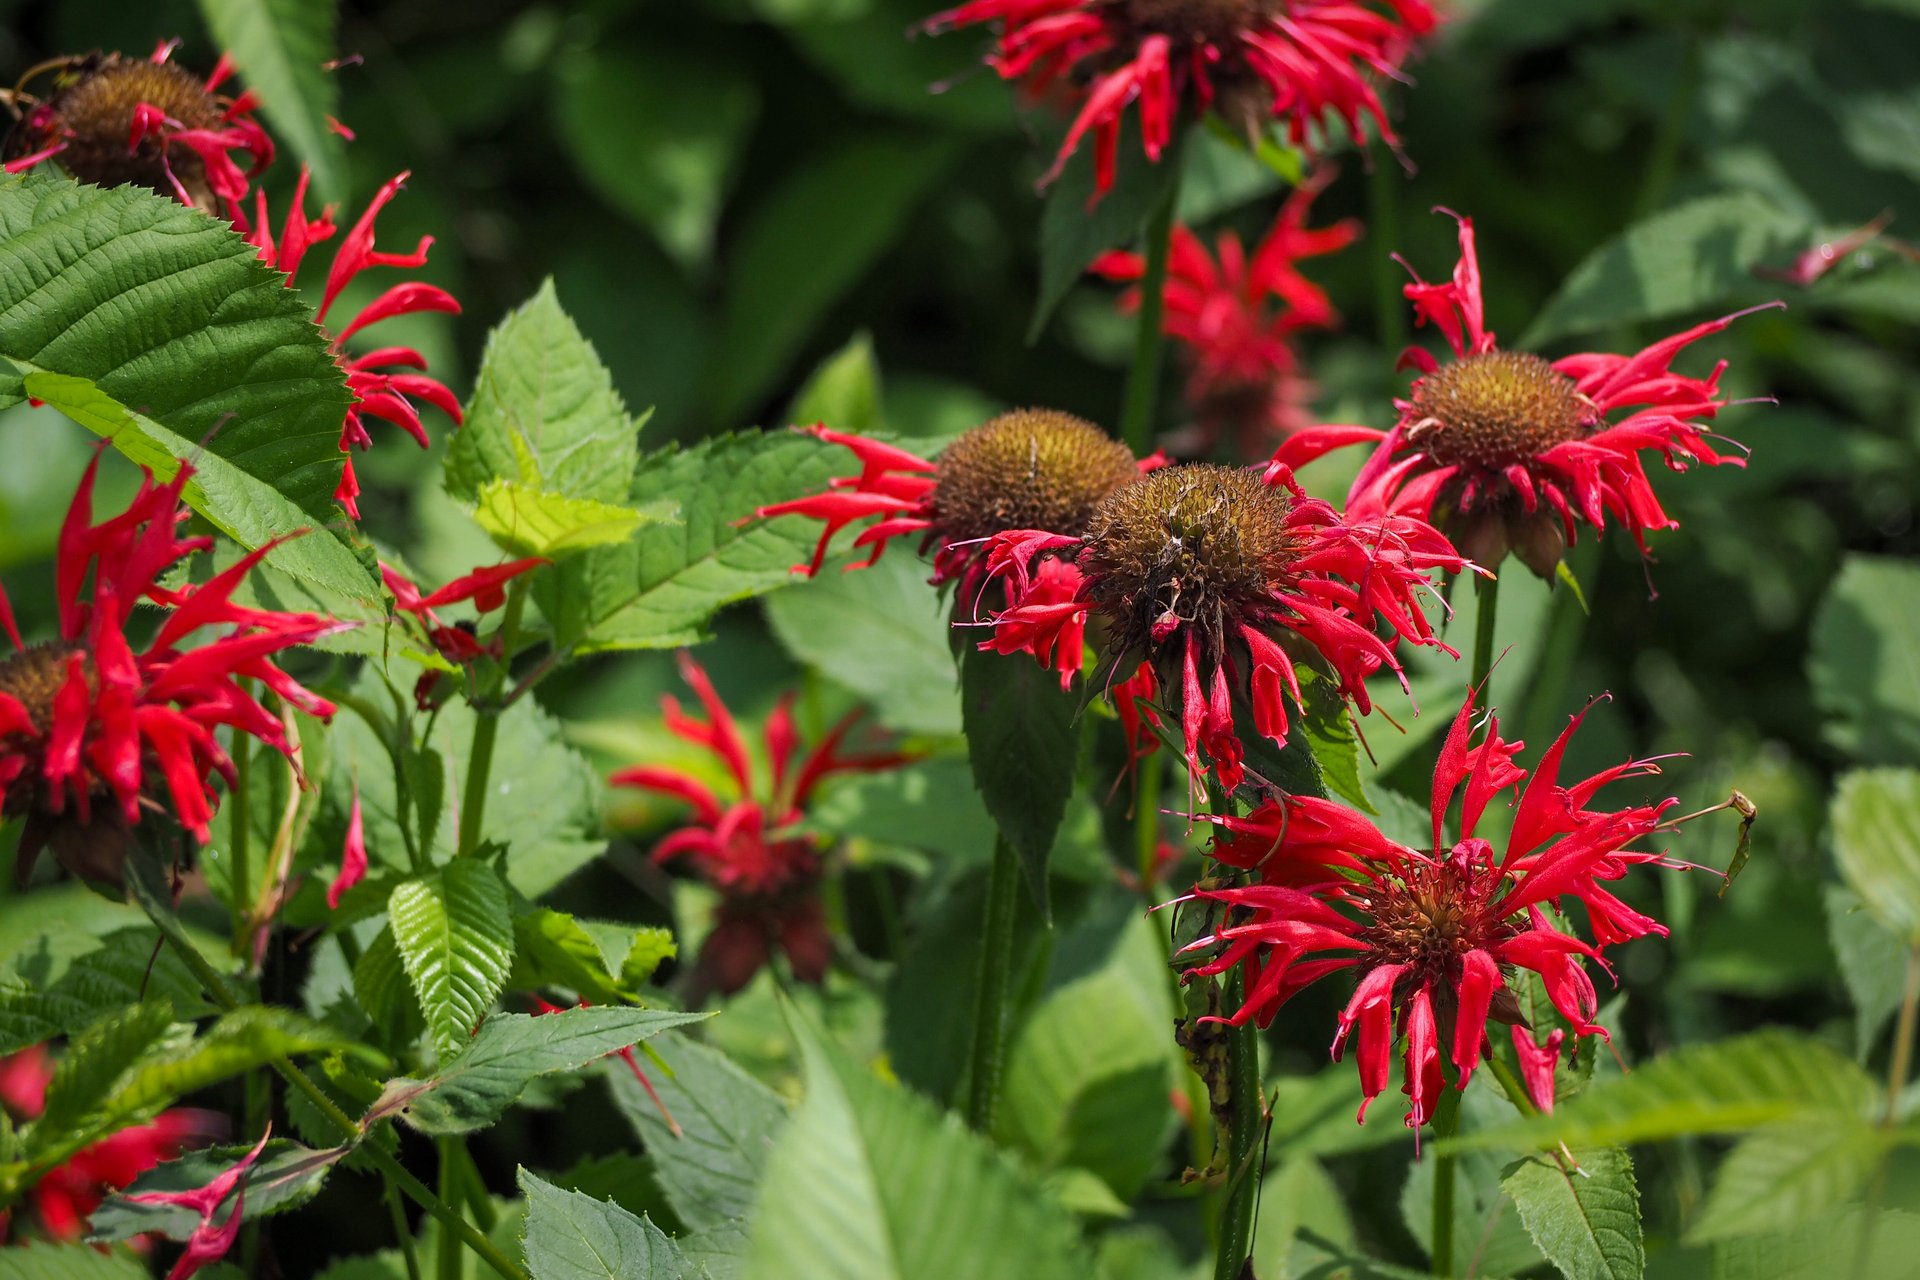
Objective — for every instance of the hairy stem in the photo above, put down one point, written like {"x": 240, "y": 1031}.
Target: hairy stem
{"x": 1143, "y": 379}
{"x": 989, "y": 1051}
{"x": 1486, "y": 610}
{"x": 1446, "y": 1120}
{"x": 486, "y": 726}
{"x": 1243, "y": 1137}
{"x": 447, "y": 1257}
{"x": 402, "y": 1234}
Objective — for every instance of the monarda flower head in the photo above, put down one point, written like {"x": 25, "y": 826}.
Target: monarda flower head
{"x": 113, "y": 120}
{"x": 1028, "y": 469}
{"x": 1236, "y": 317}
{"x": 749, "y": 848}
{"x": 93, "y": 732}
{"x": 1507, "y": 451}
{"x": 378, "y": 378}
{"x": 1433, "y": 934}
{"x": 1302, "y": 62}
{"x": 1211, "y": 581}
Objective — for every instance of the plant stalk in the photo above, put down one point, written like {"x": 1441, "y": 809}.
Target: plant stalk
{"x": 1903, "y": 1035}
{"x": 1143, "y": 379}
{"x": 1486, "y": 595}
{"x": 1446, "y": 1121}
{"x": 239, "y": 839}
{"x": 989, "y": 1052}
{"x": 486, "y": 726}
{"x": 402, "y": 1234}
{"x": 447, "y": 1256}
{"x": 1243, "y": 1137}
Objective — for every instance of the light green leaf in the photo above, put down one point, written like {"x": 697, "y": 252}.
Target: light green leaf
{"x": 1023, "y": 741}
{"x": 43, "y": 1261}
{"x": 1865, "y": 675}
{"x": 571, "y": 1236}
{"x": 282, "y": 48}
{"x": 892, "y": 807}
{"x": 650, "y": 947}
{"x": 556, "y": 951}
{"x": 473, "y": 1089}
{"x": 1873, "y": 964}
{"x": 1820, "y": 1250}
{"x": 1876, "y": 840}
{"x": 94, "y": 1062}
{"x": 525, "y": 521}
{"x": 455, "y": 936}
{"x": 1789, "y": 1174}
{"x": 122, "y": 970}
{"x": 870, "y": 1182}
{"x": 844, "y": 392}
{"x": 1587, "y": 1223}
{"x": 287, "y": 1175}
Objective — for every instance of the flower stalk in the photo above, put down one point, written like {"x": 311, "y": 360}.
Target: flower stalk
{"x": 989, "y": 1053}
{"x": 1243, "y": 1138}
{"x": 486, "y": 725}
{"x": 1143, "y": 379}
{"x": 1486, "y": 598}
{"x": 1446, "y": 1121}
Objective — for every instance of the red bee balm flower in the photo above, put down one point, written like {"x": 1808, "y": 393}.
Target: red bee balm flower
{"x": 1237, "y": 319}
{"x": 1506, "y": 451}
{"x": 113, "y": 120}
{"x": 1301, "y": 61}
{"x": 92, "y": 732}
{"x": 379, "y": 391}
{"x": 1208, "y": 575}
{"x": 1432, "y": 934}
{"x": 768, "y": 877}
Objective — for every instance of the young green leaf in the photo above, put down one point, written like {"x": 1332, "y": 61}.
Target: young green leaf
{"x": 283, "y": 48}
{"x": 649, "y": 948}
{"x": 524, "y": 521}
{"x": 93, "y": 1064}
{"x": 555, "y": 951}
{"x": 1876, "y": 840}
{"x": 455, "y": 936}
{"x": 1023, "y": 740}
{"x": 571, "y": 1236}
{"x": 1587, "y": 1222}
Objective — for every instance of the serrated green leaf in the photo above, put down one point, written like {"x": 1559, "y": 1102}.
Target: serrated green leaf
{"x": 473, "y": 1089}
{"x": 649, "y": 949}
{"x": 41, "y": 1260}
{"x": 170, "y": 312}
{"x": 454, "y": 931}
{"x": 525, "y": 521}
{"x": 870, "y": 1182}
{"x": 1787, "y": 1175}
{"x": 282, "y": 48}
{"x": 1876, "y": 840}
{"x": 123, "y": 970}
{"x": 1860, "y": 662}
{"x": 1023, "y": 741}
{"x": 1872, "y": 963}
{"x": 94, "y": 1062}
{"x": 380, "y": 986}
{"x": 571, "y": 1236}
{"x": 1818, "y": 1250}
{"x": 556, "y": 951}
{"x": 287, "y": 1175}
{"x": 1586, "y": 1223}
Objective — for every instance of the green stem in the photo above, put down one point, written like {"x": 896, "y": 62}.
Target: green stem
{"x": 1446, "y": 1121}
{"x": 1486, "y": 609}
{"x": 486, "y": 726}
{"x": 447, "y": 1257}
{"x": 1143, "y": 380}
{"x": 1511, "y": 1086}
{"x": 401, "y": 1233}
{"x": 239, "y": 839}
{"x": 1383, "y": 228}
{"x": 990, "y": 999}
{"x": 1243, "y": 1137}
{"x": 1146, "y": 818}
{"x": 1903, "y": 1035}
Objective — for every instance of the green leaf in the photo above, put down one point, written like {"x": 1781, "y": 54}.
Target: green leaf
{"x": 1861, "y": 663}
{"x": 533, "y": 522}
{"x": 683, "y": 122}
{"x": 282, "y": 48}
{"x": 880, "y": 632}
{"x": 650, "y": 947}
{"x": 804, "y": 244}
{"x": 1023, "y": 740}
{"x": 711, "y": 1169}
{"x": 1587, "y": 1223}
{"x": 1731, "y": 1086}
{"x": 844, "y": 392}
{"x": 123, "y": 970}
{"x": 455, "y": 936}
{"x": 473, "y": 1089}
{"x": 720, "y": 1249}
{"x": 556, "y": 951}
{"x": 870, "y": 1182}
{"x": 168, "y": 311}
{"x": 1819, "y": 1250}
{"x": 43, "y": 1261}
{"x": 1876, "y": 840}
{"x": 1872, "y": 963}
{"x": 1789, "y": 1174}
{"x": 1696, "y": 255}
{"x": 544, "y": 412}
{"x": 287, "y": 1175}
{"x": 1488, "y": 1236}
{"x": 380, "y": 986}
{"x": 95, "y": 1061}
{"x": 857, "y": 44}
{"x": 571, "y": 1236}
{"x": 892, "y": 808}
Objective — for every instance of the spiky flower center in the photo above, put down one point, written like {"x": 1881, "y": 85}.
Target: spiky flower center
{"x": 1187, "y": 546}
{"x": 94, "y": 115}
{"x": 1029, "y": 469}
{"x": 1497, "y": 409}
{"x": 34, "y": 675}
{"x": 1429, "y": 923}
{"x": 1215, "y": 21}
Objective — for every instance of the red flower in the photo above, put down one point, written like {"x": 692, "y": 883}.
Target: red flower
{"x": 353, "y": 854}
{"x": 113, "y": 120}
{"x": 768, "y": 874}
{"x": 1210, "y": 579}
{"x": 210, "y": 1240}
{"x": 1433, "y": 933}
{"x": 457, "y": 642}
{"x": 1236, "y": 318}
{"x": 87, "y": 722}
{"x": 1505, "y": 450}
{"x": 378, "y": 390}
{"x": 1301, "y": 61}
{"x": 66, "y": 1195}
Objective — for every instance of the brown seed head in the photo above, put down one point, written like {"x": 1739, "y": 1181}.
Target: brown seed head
{"x": 1430, "y": 924}
{"x": 1497, "y": 409}
{"x": 93, "y": 112}
{"x": 1029, "y": 469}
{"x": 33, "y": 676}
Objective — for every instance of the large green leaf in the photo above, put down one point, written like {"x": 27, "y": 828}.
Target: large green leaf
{"x": 287, "y": 1175}
{"x": 282, "y": 48}
{"x": 94, "y": 1062}
{"x": 1822, "y": 1249}
{"x": 473, "y": 1089}
{"x": 455, "y": 934}
{"x": 1861, "y": 663}
{"x": 169, "y": 312}
{"x": 1876, "y": 839}
{"x": 571, "y": 1236}
{"x": 123, "y": 970}
{"x": 1873, "y": 964}
{"x": 1587, "y": 1222}
{"x": 870, "y": 1182}
{"x": 1023, "y": 740}
{"x": 1789, "y": 1174}
{"x": 44, "y": 1261}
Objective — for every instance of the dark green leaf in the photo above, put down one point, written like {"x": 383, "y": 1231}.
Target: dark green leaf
{"x": 123, "y": 970}
{"x": 282, "y": 48}
{"x": 455, "y": 936}
{"x": 94, "y": 1062}
{"x": 1587, "y": 1223}
{"x": 1023, "y": 740}
{"x": 571, "y": 1236}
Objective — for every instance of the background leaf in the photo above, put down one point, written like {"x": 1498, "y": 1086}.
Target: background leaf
{"x": 1023, "y": 741}
{"x": 1587, "y": 1223}
{"x": 1861, "y": 661}
{"x": 1876, "y": 839}
{"x": 282, "y": 48}
{"x": 570, "y": 1236}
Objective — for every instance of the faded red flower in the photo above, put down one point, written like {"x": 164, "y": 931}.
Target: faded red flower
{"x": 66, "y": 1196}
{"x": 211, "y": 1239}
{"x": 378, "y": 390}
{"x": 1031, "y": 468}
{"x": 1433, "y": 934}
{"x": 1505, "y": 450}
{"x": 767, "y": 872}
{"x": 1214, "y": 583}
{"x": 93, "y": 732}
{"x": 1236, "y": 319}
{"x": 113, "y": 120}
{"x": 1303, "y": 62}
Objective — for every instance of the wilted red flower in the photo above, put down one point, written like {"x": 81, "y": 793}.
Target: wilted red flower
{"x": 377, "y": 389}
{"x": 1031, "y": 468}
{"x": 1236, "y": 318}
{"x": 210, "y": 1240}
{"x": 768, "y": 874}
{"x": 1300, "y": 61}
{"x": 1210, "y": 578}
{"x": 66, "y": 1196}
{"x": 1505, "y": 450}
{"x": 1434, "y": 933}
{"x": 91, "y": 732}
{"x": 113, "y": 120}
